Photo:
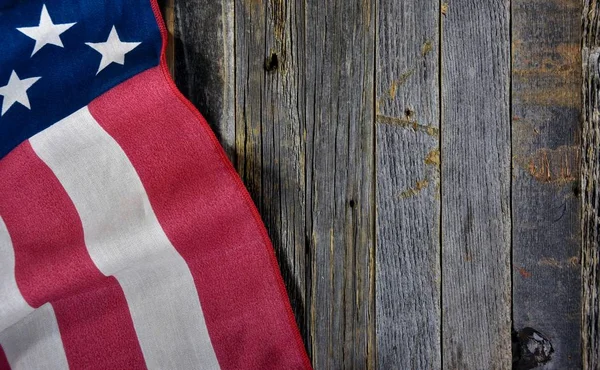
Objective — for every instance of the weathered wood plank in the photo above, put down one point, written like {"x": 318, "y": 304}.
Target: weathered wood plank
{"x": 546, "y": 101}
{"x": 304, "y": 144}
{"x": 476, "y": 185}
{"x": 590, "y": 187}
{"x": 270, "y": 135}
{"x": 340, "y": 171}
{"x": 203, "y": 68}
{"x": 408, "y": 201}
{"x": 340, "y": 43}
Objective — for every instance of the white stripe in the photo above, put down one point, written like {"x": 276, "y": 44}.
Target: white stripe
{"x": 13, "y": 306}
{"x": 34, "y": 342}
{"x": 30, "y": 338}
{"x": 125, "y": 239}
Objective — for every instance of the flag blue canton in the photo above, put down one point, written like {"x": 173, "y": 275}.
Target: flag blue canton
{"x": 61, "y": 54}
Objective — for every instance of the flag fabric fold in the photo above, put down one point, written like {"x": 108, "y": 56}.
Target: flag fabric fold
{"x": 127, "y": 240}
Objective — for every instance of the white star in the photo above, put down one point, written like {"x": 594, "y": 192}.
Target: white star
{"x": 16, "y": 91}
{"x": 113, "y": 50}
{"x": 47, "y": 32}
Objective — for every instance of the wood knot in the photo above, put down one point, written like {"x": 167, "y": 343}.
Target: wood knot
{"x": 272, "y": 63}
{"x": 530, "y": 349}
{"x": 576, "y": 189}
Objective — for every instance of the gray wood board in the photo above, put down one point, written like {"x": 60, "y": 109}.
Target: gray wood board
{"x": 590, "y": 187}
{"x": 408, "y": 202}
{"x": 270, "y": 139}
{"x": 476, "y": 169}
{"x": 304, "y": 147}
{"x": 546, "y": 101}
{"x": 204, "y": 67}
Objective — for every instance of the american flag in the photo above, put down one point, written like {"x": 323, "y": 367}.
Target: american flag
{"x": 127, "y": 240}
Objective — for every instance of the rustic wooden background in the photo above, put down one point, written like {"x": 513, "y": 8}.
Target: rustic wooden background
{"x": 417, "y": 164}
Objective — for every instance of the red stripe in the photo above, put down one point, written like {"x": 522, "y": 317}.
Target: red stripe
{"x": 208, "y": 216}
{"x": 4, "y": 365}
{"x": 52, "y": 265}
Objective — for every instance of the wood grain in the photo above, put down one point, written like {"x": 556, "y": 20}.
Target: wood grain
{"x": 408, "y": 186}
{"x": 590, "y": 187}
{"x": 476, "y": 185}
{"x": 546, "y": 101}
{"x": 270, "y": 136}
{"x": 204, "y": 67}
{"x": 340, "y": 43}
{"x": 331, "y": 110}
{"x": 304, "y": 145}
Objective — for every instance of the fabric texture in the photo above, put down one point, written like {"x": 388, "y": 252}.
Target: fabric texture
{"x": 127, "y": 240}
